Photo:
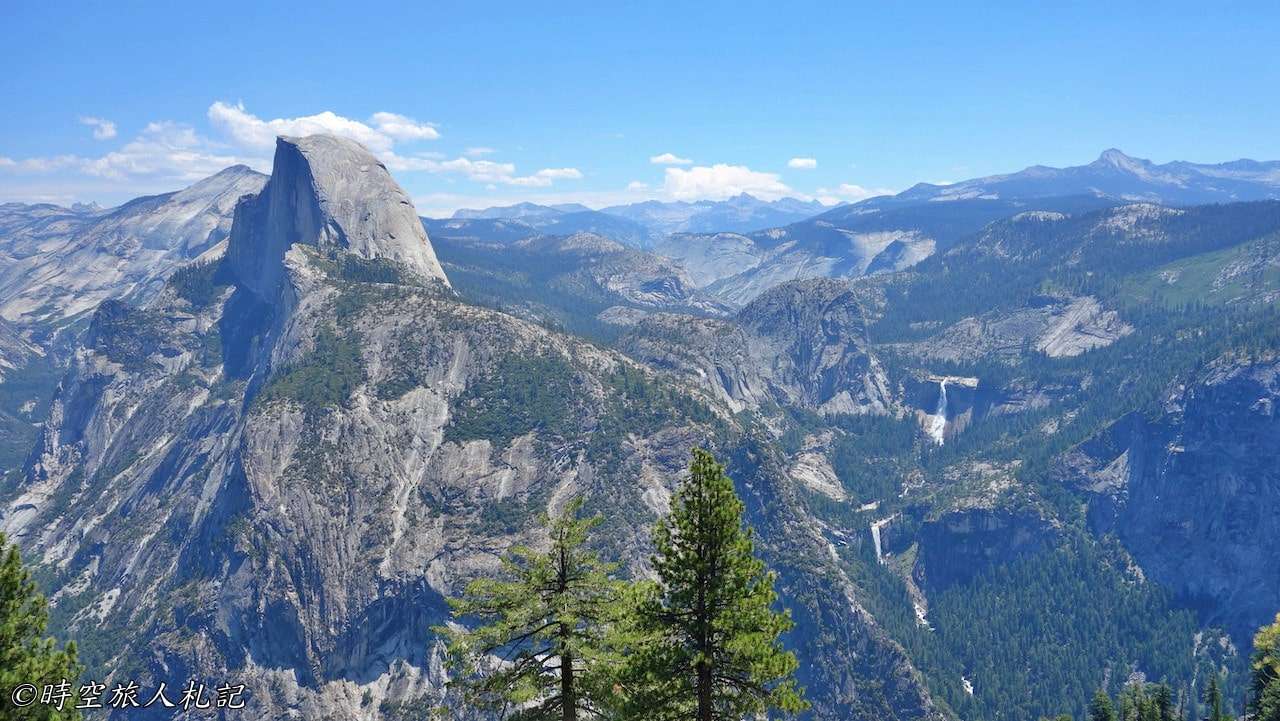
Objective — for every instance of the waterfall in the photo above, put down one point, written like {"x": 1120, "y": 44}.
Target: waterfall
{"x": 938, "y": 421}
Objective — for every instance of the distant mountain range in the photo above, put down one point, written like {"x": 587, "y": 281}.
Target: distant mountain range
{"x": 889, "y": 233}
{"x": 642, "y": 224}
{"x": 1114, "y": 175}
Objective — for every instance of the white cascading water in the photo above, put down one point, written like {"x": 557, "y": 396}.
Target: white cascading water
{"x": 938, "y": 421}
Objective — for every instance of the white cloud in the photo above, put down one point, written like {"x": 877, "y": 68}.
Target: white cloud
{"x": 481, "y": 171}
{"x": 380, "y": 138}
{"x": 102, "y": 129}
{"x": 163, "y": 151}
{"x": 637, "y": 185}
{"x": 544, "y": 177}
{"x": 669, "y": 159}
{"x": 253, "y": 132}
{"x": 802, "y": 163}
{"x": 720, "y": 181}
{"x": 404, "y": 128}
{"x": 849, "y": 193}
{"x": 166, "y": 155}
{"x": 560, "y": 174}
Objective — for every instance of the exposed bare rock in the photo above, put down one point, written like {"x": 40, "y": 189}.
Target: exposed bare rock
{"x": 57, "y": 264}
{"x": 1054, "y": 326}
{"x": 801, "y": 344}
{"x": 330, "y": 193}
{"x": 1192, "y": 494}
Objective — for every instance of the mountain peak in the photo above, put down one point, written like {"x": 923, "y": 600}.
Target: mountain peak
{"x": 331, "y": 193}
{"x": 1116, "y": 158}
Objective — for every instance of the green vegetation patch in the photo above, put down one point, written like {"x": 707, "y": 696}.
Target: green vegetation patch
{"x": 520, "y": 395}
{"x": 199, "y": 283}
{"x": 325, "y": 377}
{"x": 1035, "y": 637}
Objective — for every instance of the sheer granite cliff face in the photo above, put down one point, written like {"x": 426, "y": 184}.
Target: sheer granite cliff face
{"x": 282, "y": 484}
{"x": 1192, "y": 493}
{"x": 330, "y": 193}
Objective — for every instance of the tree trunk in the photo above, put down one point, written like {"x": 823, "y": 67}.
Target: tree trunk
{"x": 704, "y": 692}
{"x": 568, "y": 695}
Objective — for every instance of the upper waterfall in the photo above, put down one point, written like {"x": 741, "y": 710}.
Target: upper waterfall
{"x": 937, "y": 427}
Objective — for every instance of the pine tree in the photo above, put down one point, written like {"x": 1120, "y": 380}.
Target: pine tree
{"x": 1100, "y": 709}
{"x": 1162, "y": 698}
{"x": 1265, "y": 674}
{"x": 26, "y": 655}
{"x": 539, "y": 647}
{"x": 711, "y": 648}
{"x": 1213, "y": 700}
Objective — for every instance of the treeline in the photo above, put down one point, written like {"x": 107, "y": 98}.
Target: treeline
{"x": 558, "y": 635}
{"x": 1082, "y": 255}
{"x": 1158, "y": 702}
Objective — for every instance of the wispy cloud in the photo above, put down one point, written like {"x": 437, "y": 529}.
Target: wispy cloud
{"x": 404, "y": 128}
{"x": 166, "y": 154}
{"x": 669, "y": 159}
{"x": 481, "y": 171}
{"x": 802, "y": 163}
{"x": 162, "y": 152}
{"x": 102, "y": 129}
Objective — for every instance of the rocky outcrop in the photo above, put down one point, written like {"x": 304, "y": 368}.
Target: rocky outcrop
{"x": 962, "y": 544}
{"x": 1057, "y": 327}
{"x": 711, "y": 257}
{"x": 330, "y": 193}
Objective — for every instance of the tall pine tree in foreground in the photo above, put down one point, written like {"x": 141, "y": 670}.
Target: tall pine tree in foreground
{"x": 708, "y": 645}
{"x": 1214, "y": 710}
{"x": 538, "y": 650}
{"x": 26, "y": 655}
{"x": 1264, "y": 703}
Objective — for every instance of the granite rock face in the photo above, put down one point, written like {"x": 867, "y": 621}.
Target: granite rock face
{"x": 57, "y": 264}
{"x": 802, "y": 344}
{"x": 1056, "y": 326}
{"x": 1192, "y": 493}
{"x": 332, "y": 194}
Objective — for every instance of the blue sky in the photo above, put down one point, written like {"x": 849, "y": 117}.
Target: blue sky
{"x": 474, "y": 106}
